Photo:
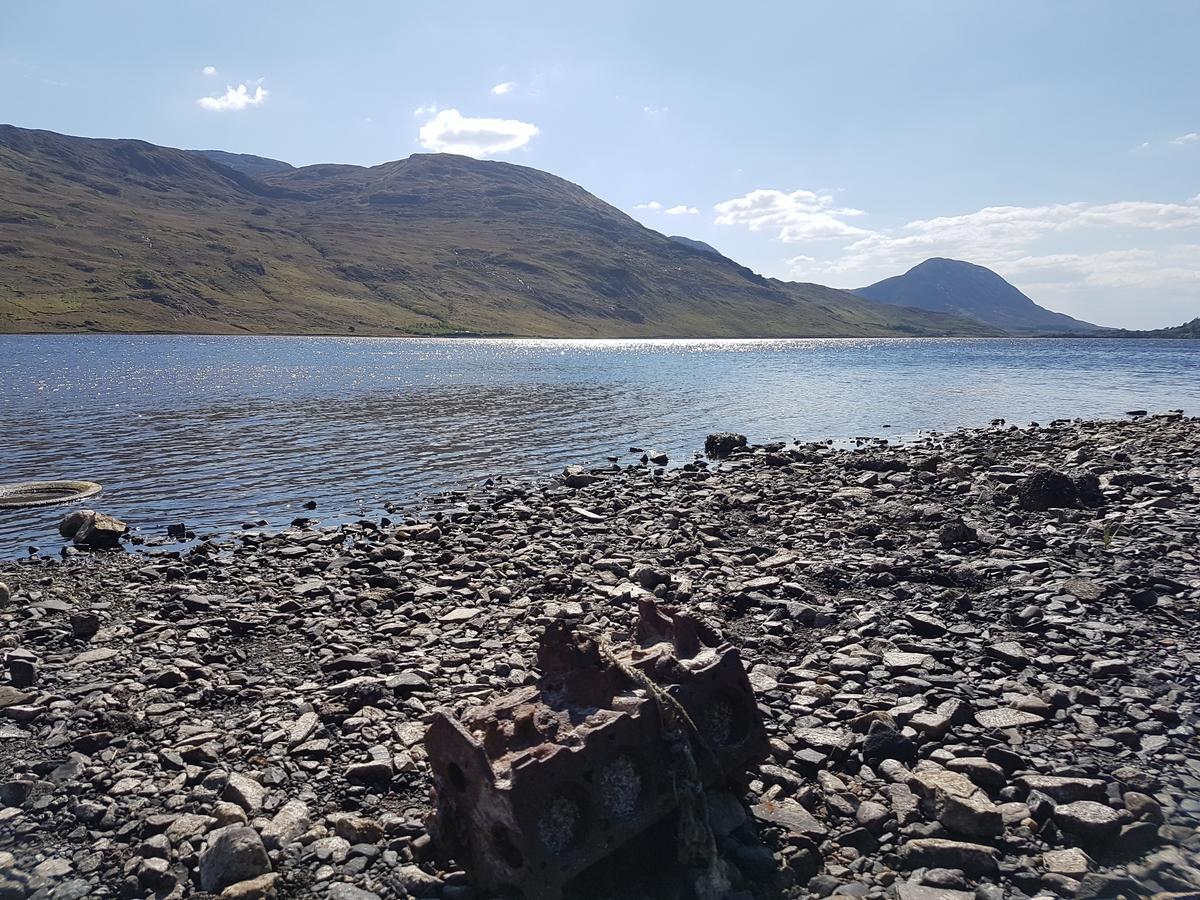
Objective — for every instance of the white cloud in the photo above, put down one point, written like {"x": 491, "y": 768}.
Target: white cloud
{"x": 209, "y": 70}
{"x": 451, "y": 132}
{"x": 656, "y": 110}
{"x": 681, "y": 210}
{"x": 1184, "y": 139}
{"x": 653, "y": 204}
{"x": 1158, "y": 268}
{"x": 235, "y": 99}
{"x": 798, "y": 216}
{"x": 503, "y": 88}
{"x": 1133, "y": 262}
{"x": 425, "y": 110}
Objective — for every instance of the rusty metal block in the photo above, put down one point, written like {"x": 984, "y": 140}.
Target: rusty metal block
{"x": 540, "y": 784}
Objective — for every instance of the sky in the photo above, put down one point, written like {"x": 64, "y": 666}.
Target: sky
{"x": 1055, "y": 142}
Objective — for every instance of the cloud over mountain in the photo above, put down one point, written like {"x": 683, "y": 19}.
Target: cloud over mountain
{"x": 451, "y": 132}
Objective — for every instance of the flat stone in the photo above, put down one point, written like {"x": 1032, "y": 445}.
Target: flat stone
{"x": 789, "y": 815}
{"x": 342, "y": 891}
{"x": 830, "y": 741}
{"x": 1009, "y": 652}
{"x": 10, "y": 696}
{"x": 260, "y": 888}
{"x": 91, "y": 657}
{"x": 1006, "y": 718}
{"x": 302, "y": 728}
{"x": 896, "y": 661}
{"x": 1063, "y": 789}
{"x": 1073, "y": 863}
{"x": 1088, "y": 819}
{"x": 1084, "y": 589}
{"x": 973, "y": 859}
{"x": 909, "y": 891}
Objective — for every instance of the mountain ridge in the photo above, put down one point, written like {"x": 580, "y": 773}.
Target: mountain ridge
{"x": 124, "y": 235}
{"x": 966, "y": 289}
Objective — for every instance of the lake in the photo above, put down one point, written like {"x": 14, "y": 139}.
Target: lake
{"x": 218, "y": 431}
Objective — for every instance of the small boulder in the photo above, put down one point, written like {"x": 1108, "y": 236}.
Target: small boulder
{"x": 70, "y": 524}
{"x": 723, "y": 443}
{"x": 91, "y": 530}
{"x": 235, "y": 853}
{"x": 956, "y": 533}
{"x": 1046, "y": 489}
{"x": 578, "y": 477}
{"x": 1088, "y": 820}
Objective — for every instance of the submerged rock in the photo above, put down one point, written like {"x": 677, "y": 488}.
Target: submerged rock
{"x": 723, "y": 443}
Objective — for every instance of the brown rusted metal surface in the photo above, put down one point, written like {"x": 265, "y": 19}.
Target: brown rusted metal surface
{"x": 542, "y": 783}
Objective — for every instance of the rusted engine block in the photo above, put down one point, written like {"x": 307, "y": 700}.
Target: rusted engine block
{"x": 538, "y": 785}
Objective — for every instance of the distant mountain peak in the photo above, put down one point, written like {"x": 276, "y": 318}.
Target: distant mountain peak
{"x": 963, "y": 288}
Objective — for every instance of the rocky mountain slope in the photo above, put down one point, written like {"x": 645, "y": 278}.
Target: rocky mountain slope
{"x": 965, "y": 289}
{"x": 122, "y": 235}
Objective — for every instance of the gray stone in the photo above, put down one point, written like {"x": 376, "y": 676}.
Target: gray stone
{"x": 790, "y": 816}
{"x": 288, "y": 824}
{"x": 956, "y": 802}
{"x": 1073, "y": 863}
{"x": 973, "y": 859}
{"x": 1006, "y": 718}
{"x": 1088, "y": 819}
{"x": 245, "y": 792}
{"x": 235, "y": 853}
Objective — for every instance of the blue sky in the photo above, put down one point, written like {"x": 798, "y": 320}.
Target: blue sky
{"x": 1057, "y": 142}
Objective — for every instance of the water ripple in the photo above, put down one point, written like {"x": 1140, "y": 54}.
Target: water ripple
{"x": 215, "y": 431}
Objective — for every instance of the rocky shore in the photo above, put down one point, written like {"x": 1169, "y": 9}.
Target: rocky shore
{"x": 977, "y": 658}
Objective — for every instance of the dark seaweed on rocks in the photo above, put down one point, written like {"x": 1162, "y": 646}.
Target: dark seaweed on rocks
{"x": 966, "y": 697}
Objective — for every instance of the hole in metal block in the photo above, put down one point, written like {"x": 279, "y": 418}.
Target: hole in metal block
{"x": 502, "y": 839}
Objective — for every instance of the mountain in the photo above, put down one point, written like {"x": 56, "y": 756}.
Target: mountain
{"x": 1187, "y": 331}
{"x": 964, "y": 289}
{"x": 697, "y": 245}
{"x": 122, "y": 235}
{"x": 246, "y": 163}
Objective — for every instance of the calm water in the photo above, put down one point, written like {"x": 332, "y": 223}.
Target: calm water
{"x": 218, "y": 431}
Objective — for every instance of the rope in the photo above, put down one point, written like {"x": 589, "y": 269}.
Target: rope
{"x": 697, "y": 845}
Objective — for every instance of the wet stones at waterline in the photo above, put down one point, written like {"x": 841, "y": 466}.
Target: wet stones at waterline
{"x": 1009, "y": 714}
{"x": 90, "y": 530}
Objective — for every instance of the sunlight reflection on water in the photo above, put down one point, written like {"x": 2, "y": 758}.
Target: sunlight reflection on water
{"x": 213, "y": 431}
